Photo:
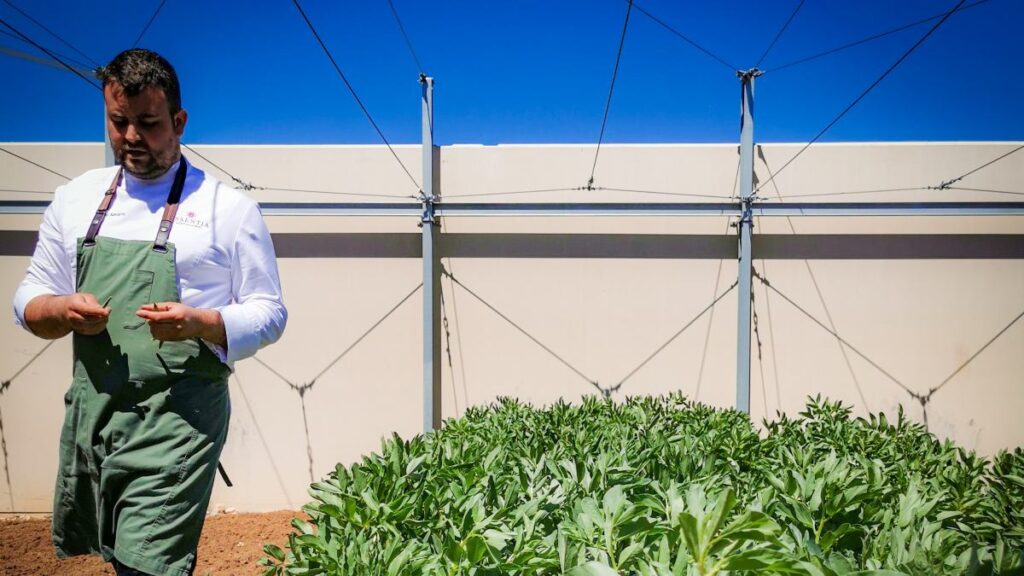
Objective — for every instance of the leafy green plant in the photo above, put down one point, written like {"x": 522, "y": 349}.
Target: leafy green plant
{"x": 659, "y": 487}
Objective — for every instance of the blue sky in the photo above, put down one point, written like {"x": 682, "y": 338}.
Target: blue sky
{"x": 532, "y": 71}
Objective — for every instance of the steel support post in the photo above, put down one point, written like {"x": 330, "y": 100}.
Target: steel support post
{"x": 108, "y": 153}
{"x": 745, "y": 230}
{"x": 431, "y": 269}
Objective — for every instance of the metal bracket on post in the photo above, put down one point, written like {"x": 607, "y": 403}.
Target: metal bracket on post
{"x": 745, "y": 232}
{"x": 430, "y": 225}
{"x": 746, "y": 217}
{"x": 428, "y": 215}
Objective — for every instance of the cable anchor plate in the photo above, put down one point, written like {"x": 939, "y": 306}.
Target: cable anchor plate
{"x": 428, "y": 215}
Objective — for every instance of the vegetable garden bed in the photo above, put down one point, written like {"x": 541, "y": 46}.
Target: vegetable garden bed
{"x": 660, "y": 486}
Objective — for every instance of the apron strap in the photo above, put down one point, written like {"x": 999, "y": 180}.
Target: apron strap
{"x": 166, "y": 222}
{"x": 101, "y": 212}
{"x": 171, "y": 208}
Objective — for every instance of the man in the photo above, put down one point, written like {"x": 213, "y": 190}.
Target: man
{"x": 164, "y": 286}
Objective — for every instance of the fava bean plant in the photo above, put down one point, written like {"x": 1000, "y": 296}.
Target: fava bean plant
{"x": 663, "y": 486}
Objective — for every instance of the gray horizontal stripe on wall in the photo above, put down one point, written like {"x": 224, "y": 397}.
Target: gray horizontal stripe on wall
{"x": 17, "y": 242}
{"x": 888, "y": 246}
{"x": 347, "y": 245}
{"x": 640, "y": 246}
{"x": 657, "y": 246}
{"x": 408, "y": 245}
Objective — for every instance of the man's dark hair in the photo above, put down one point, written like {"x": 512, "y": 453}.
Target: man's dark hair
{"x": 137, "y": 69}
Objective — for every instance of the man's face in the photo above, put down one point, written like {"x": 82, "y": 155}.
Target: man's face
{"x": 143, "y": 134}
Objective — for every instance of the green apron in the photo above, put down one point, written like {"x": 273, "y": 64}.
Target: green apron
{"x": 145, "y": 422}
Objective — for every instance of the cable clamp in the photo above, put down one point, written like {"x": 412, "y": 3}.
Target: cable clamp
{"x": 760, "y": 278}
{"x": 303, "y": 388}
{"x": 428, "y": 216}
{"x": 746, "y": 211}
{"x": 752, "y": 73}
{"x": 924, "y": 399}
{"x": 589, "y": 186}
{"x": 247, "y": 186}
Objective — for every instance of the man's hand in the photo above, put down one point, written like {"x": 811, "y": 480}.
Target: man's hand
{"x": 85, "y": 314}
{"x": 54, "y": 316}
{"x": 173, "y": 321}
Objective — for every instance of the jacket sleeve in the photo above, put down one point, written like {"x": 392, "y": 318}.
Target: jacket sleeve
{"x": 49, "y": 271}
{"x": 257, "y": 315}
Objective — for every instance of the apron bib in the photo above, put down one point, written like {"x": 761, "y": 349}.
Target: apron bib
{"x": 145, "y": 421}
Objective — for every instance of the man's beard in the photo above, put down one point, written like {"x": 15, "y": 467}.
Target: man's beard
{"x": 147, "y": 165}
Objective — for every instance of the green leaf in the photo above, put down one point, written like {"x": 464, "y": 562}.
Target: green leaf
{"x": 592, "y": 568}
{"x": 688, "y": 526}
{"x": 415, "y": 463}
{"x": 274, "y": 551}
{"x": 751, "y": 560}
{"x": 723, "y": 505}
{"x": 302, "y": 526}
{"x": 496, "y": 539}
{"x": 802, "y": 514}
{"x": 627, "y": 554}
{"x": 476, "y": 547}
{"x": 331, "y": 510}
{"x": 614, "y": 501}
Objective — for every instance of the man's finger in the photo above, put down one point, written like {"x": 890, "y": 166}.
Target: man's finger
{"x": 88, "y": 298}
{"x": 167, "y": 325}
{"x": 86, "y": 319}
{"x": 92, "y": 330}
{"x": 154, "y": 316}
{"x": 163, "y": 316}
{"x": 88, "y": 325}
{"x": 79, "y": 318}
{"x": 89, "y": 309}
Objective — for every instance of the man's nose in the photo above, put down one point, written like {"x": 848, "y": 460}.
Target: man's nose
{"x": 131, "y": 134}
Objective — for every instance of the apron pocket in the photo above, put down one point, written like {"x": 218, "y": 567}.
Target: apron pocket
{"x": 139, "y": 292}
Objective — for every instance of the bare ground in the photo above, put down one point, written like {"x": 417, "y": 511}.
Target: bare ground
{"x": 231, "y": 544}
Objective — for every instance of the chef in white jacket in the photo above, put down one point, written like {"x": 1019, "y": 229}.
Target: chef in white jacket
{"x": 165, "y": 277}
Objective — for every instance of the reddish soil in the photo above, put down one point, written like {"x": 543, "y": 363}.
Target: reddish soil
{"x": 231, "y": 544}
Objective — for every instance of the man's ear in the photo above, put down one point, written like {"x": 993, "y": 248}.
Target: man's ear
{"x": 179, "y": 120}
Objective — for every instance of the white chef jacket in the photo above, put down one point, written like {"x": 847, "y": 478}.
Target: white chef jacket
{"x": 223, "y": 252}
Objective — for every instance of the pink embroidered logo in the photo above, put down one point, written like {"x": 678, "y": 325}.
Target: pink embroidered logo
{"x": 190, "y": 219}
